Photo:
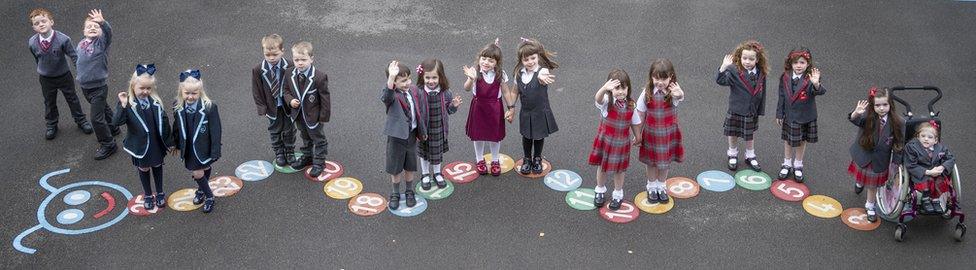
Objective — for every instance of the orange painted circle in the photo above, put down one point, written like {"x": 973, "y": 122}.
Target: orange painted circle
{"x": 789, "y": 190}
{"x": 367, "y": 204}
{"x": 546, "y": 168}
{"x": 331, "y": 171}
{"x": 182, "y": 200}
{"x": 682, "y": 187}
{"x": 627, "y": 212}
{"x": 225, "y": 186}
{"x": 136, "y": 206}
{"x": 857, "y": 218}
{"x": 460, "y": 172}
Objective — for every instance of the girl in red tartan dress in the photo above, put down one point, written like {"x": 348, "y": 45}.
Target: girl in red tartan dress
{"x": 611, "y": 146}
{"x": 877, "y": 148}
{"x": 661, "y": 137}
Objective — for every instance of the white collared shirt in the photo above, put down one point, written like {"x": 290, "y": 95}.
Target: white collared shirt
{"x": 642, "y": 100}
{"x": 489, "y": 78}
{"x": 413, "y": 110}
{"x": 432, "y": 91}
{"x": 797, "y": 76}
{"x": 752, "y": 71}
{"x": 605, "y": 111}
{"x": 48, "y": 38}
{"x": 526, "y": 76}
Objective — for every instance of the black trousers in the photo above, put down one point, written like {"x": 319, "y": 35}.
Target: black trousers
{"x": 101, "y": 114}
{"x": 50, "y": 87}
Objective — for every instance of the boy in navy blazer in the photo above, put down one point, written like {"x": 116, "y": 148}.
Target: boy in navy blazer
{"x": 404, "y": 126}
{"x": 267, "y": 85}
{"x": 307, "y": 92}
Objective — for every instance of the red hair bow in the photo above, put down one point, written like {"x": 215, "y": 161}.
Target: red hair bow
{"x": 804, "y": 54}
{"x": 934, "y": 124}
{"x": 757, "y": 45}
{"x": 873, "y": 92}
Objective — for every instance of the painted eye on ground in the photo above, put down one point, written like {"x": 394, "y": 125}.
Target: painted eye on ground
{"x": 70, "y": 216}
{"x": 77, "y": 197}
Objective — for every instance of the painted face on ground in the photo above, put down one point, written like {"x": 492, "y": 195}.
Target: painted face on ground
{"x": 431, "y": 79}
{"x": 42, "y": 24}
{"x": 487, "y": 63}
{"x": 881, "y": 106}
{"x": 748, "y": 59}
{"x": 800, "y": 66}
{"x": 92, "y": 29}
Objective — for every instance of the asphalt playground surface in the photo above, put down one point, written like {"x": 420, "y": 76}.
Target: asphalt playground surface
{"x": 504, "y": 222}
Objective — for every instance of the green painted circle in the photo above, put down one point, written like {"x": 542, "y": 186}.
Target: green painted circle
{"x": 286, "y": 168}
{"x": 581, "y": 199}
{"x": 435, "y": 193}
{"x": 753, "y": 180}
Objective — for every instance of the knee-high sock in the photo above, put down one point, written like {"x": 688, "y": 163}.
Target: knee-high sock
{"x": 204, "y": 185}
{"x": 479, "y": 150}
{"x": 538, "y": 147}
{"x": 157, "y": 173}
{"x": 144, "y": 178}
{"x": 526, "y": 147}
{"x": 495, "y": 148}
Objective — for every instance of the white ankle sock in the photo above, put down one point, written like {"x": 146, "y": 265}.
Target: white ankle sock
{"x": 618, "y": 194}
{"x": 732, "y": 152}
{"x": 788, "y": 162}
{"x": 600, "y": 189}
{"x": 798, "y": 163}
{"x": 495, "y": 148}
{"x": 750, "y": 153}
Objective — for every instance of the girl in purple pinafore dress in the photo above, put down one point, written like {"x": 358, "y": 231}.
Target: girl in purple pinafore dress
{"x": 487, "y": 115}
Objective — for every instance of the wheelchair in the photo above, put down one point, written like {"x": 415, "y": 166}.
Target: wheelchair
{"x": 897, "y": 199}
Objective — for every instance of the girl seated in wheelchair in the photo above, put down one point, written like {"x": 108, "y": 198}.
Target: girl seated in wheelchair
{"x": 929, "y": 164}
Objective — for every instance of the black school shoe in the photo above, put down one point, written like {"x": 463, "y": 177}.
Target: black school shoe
{"x": 600, "y": 199}
{"x": 86, "y": 127}
{"x": 198, "y": 197}
{"x": 872, "y": 217}
{"x": 161, "y": 199}
{"x": 394, "y": 202}
{"x": 51, "y": 133}
{"x": 149, "y": 202}
{"x": 316, "y": 170}
{"x": 104, "y": 152}
{"x": 536, "y": 165}
{"x": 784, "y": 172}
{"x": 798, "y": 174}
{"x": 858, "y": 188}
{"x": 301, "y": 163}
{"x": 280, "y": 160}
{"x": 615, "y": 204}
{"x": 733, "y": 163}
{"x": 526, "y": 166}
{"x": 653, "y": 197}
{"x": 663, "y": 196}
{"x": 115, "y": 131}
{"x": 411, "y": 199}
{"x": 753, "y": 164}
{"x": 440, "y": 180}
{"x": 425, "y": 182}
{"x": 208, "y": 205}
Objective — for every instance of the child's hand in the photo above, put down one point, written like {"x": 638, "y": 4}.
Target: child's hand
{"x": 610, "y": 85}
{"x": 862, "y": 106}
{"x": 938, "y": 170}
{"x": 726, "y": 62}
{"x": 815, "y": 76}
{"x": 394, "y": 68}
{"x": 124, "y": 99}
{"x": 456, "y": 101}
{"x": 676, "y": 91}
{"x": 173, "y": 151}
{"x": 470, "y": 72}
{"x": 779, "y": 122}
{"x": 547, "y": 78}
{"x": 96, "y": 15}
{"x": 510, "y": 115}
{"x": 294, "y": 103}
{"x": 635, "y": 140}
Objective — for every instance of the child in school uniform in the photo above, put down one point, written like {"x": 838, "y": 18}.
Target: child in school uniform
{"x": 930, "y": 164}
{"x": 796, "y": 110}
{"x": 619, "y": 128}
{"x": 267, "y": 85}
{"x": 148, "y": 133}
{"x": 536, "y": 121}
{"x": 50, "y": 49}
{"x": 307, "y": 92}
{"x": 488, "y": 84}
{"x": 92, "y": 70}
{"x": 744, "y": 72}
{"x": 878, "y": 147}
{"x": 436, "y": 103}
{"x": 197, "y": 121}
{"x": 660, "y": 136}
{"x": 404, "y": 127}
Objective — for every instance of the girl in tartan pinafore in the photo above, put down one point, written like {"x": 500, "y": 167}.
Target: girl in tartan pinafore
{"x": 879, "y": 144}
{"x": 436, "y": 103}
{"x": 744, "y": 72}
{"x": 611, "y": 146}
{"x": 796, "y": 110}
{"x": 660, "y": 137}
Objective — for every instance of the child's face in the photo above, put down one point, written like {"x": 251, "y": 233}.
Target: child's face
{"x": 191, "y": 94}
{"x": 302, "y": 61}
{"x": 272, "y": 55}
{"x": 530, "y": 61}
{"x": 928, "y": 138}
{"x": 92, "y": 29}
{"x": 143, "y": 88}
{"x": 800, "y": 65}
{"x": 403, "y": 83}
{"x": 42, "y": 24}
{"x": 487, "y": 63}
{"x": 620, "y": 92}
{"x": 748, "y": 59}
{"x": 661, "y": 83}
{"x": 431, "y": 79}
{"x": 881, "y": 106}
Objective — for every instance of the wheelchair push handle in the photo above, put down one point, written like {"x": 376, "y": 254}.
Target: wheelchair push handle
{"x": 908, "y": 107}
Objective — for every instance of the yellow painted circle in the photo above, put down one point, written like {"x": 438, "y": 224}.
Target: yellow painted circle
{"x": 343, "y": 188}
{"x": 506, "y": 161}
{"x": 655, "y": 208}
{"x": 182, "y": 200}
{"x": 822, "y": 206}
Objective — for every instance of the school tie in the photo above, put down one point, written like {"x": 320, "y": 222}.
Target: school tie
{"x": 144, "y": 104}
{"x": 45, "y": 45}
{"x": 752, "y": 78}
{"x": 302, "y": 79}
{"x": 86, "y": 46}
{"x": 795, "y": 81}
{"x": 276, "y": 82}
{"x": 620, "y": 103}
{"x": 191, "y": 108}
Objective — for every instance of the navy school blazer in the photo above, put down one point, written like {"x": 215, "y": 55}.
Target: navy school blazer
{"x": 741, "y": 101}
{"x": 917, "y": 159}
{"x": 397, "y": 122}
{"x": 205, "y": 142}
{"x": 883, "y": 152}
{"x": 798, "y": 105}
{"x": 136, "y": 141}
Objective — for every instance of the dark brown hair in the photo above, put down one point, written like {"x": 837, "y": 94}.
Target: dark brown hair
{"x": 491, "y": 51}
{"x": 661, "y": 69}
{"x": 530, "y": 46}
{"x": 432, "y": 65}
{"x": 871, "y": 122}
{"x": 795, "y": 55}
{"x": 404, "y": 71}
{"x": 621, "y": 75}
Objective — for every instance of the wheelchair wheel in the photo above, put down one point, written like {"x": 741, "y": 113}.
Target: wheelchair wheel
{"x": 900, "y": 232}
{"x": 891, "y": 196}
{"x": 960, "y": 232}
{"x": 956, "y": 186}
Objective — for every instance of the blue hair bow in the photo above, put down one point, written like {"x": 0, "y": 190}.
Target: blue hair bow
{"x": 195, "y": 73}
{"x": 143, "y": 69}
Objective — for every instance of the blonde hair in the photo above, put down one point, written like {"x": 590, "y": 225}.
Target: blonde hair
{"x": 189, "y": 84}
{"x": 923, "y": 127}
{"x": 302, "y": 48}
{"x": 272, "y": 41}
{"x": 145, "y": 77}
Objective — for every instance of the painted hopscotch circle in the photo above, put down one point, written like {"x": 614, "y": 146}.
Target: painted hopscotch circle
{"x": 822, "y": 206}
{"x": 581, "y": 199}
{"x": 254, "y": 170}
{"x": 225, "y": 186}
{"x": 182, "y": 200}
{"x": 627, "y": 212}
{"x": 682, "y": 187}
{"x": 857, "y": 218}
{"x": 137, "y": 206}
{"x": 367, "y": 204}
{"x": 563, "y": 180}
{"x": 546, "y": 168}
{"x": 287, "y": 168}
{"x": 331, "y": 170}
{"x": 404, "y": 211}
{"x": 717, "y": 181}
{"x": 753, "y": 180}
{"x": 435, "y": 193}
{"x": 343, "y": 188}
{"x": 460, "y": 172}
{"x": 789, "y": 190}
{"x": 652, "y": 208}
{"x": 506, "y": 162}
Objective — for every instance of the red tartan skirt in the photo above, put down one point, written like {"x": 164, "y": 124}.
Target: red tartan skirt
{"x": 866, "y": 176}
{"x": 935, "y": 185}
{"x": 661, "y": 135}
{"x": 611, "y": 146}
